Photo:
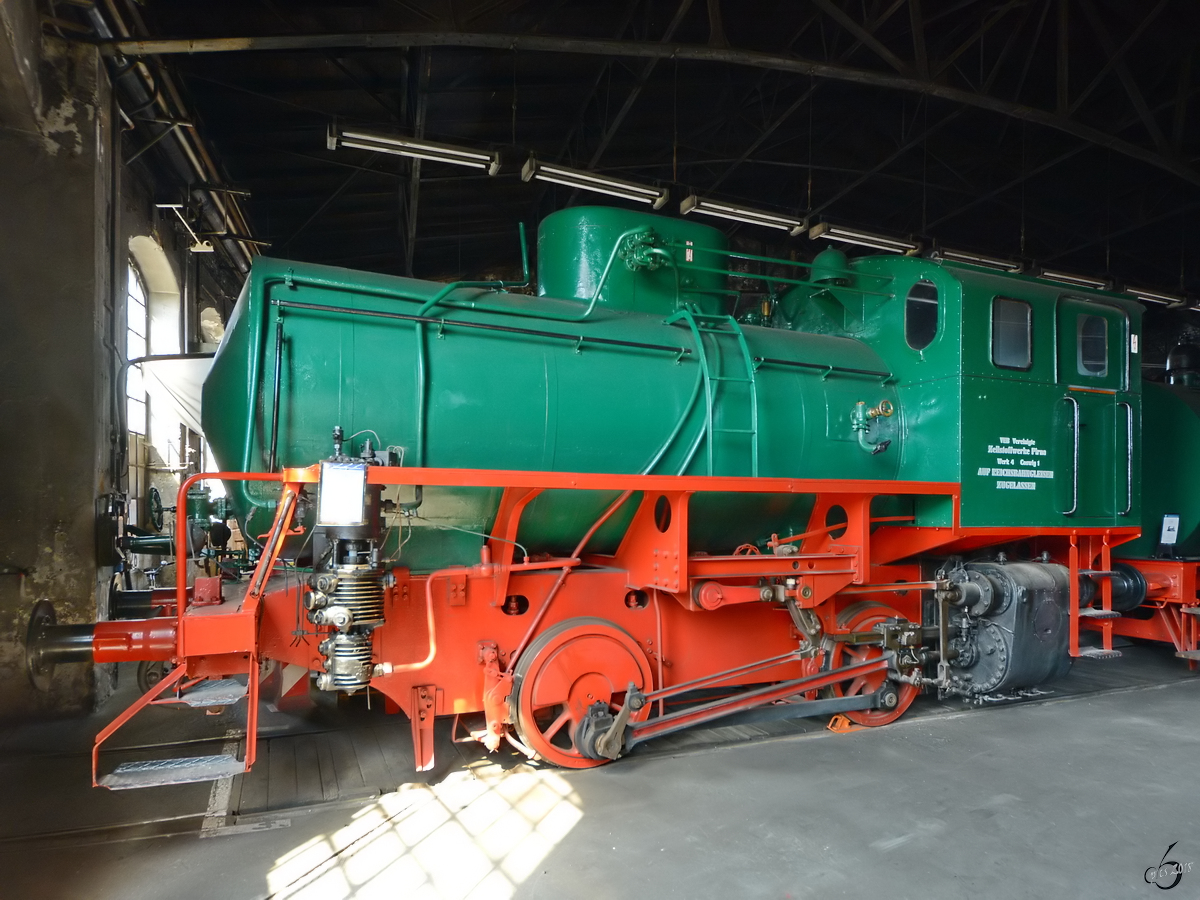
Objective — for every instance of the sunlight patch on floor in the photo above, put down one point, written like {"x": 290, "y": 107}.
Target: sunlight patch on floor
{"x": 480, "y": 833}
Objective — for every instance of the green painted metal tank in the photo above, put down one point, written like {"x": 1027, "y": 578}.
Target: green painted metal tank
{"x": 473, "y": 377}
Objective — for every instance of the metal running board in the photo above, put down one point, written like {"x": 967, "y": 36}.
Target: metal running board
{"x": 222, "y": 692}
{"x": 1188, "y": 654}
{"x": 1100, "y": 613}
{"x": 1099, "y": 653}
{"x": 1190, "y": 610}
{"x": 185, "y": 770}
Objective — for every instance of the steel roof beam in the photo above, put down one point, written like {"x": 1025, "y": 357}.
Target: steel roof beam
{"x": 917, "y": 26}
{"x": 1127, "y": 229}
{"x": 328, "y": 201}
{"x": 619, "y": 118}
{"x": 1115, "y": 58}
{"x": 600, "y": 47}
{"x": 871, "y": 28}
{"x": 863, "y": 36}
{"x": 581, "y": 116}
{"x": 976, "y": 37}
{"x": 1025, "y": 176}
{"x": 1181, "y": 103}
{"x": 1126, "y": 78}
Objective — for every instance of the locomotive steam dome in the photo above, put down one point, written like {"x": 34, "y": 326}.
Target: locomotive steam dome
{"x": 647, "y": 379}
{"x": 587, "y": 251}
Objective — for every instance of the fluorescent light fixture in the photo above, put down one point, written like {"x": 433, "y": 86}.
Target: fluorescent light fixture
{"x": 590, "y": 181}
{"x": 1095, "y": 284}
{"x": 342, "y": 495}
{"x": 862, "y": 238}
{"x": 976, "y": 259}
{"x": 693, "y": 204}
{"x": 402, "y": 146}
{"x": 1148, "y": 296}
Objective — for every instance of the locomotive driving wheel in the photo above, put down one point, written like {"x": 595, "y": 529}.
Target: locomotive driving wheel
{"x": 864, "y": 617}
{"x": 564, "y": 672}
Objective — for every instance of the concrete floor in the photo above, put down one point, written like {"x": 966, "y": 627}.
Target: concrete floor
{"x": 1076, "y": 796}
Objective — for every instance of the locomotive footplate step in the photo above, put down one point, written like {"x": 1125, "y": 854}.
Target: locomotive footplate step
{"x": 215, "y": 693}
{"x": 184, "y": 770}
{"x": 1099, "y": 653}
{"x": 1100, "y": 613}
{"x": 1190, "y": 610}
{"x": 1188, "y": 654}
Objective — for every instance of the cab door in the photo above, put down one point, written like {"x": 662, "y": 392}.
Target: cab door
{"x": 1095, "y": 452}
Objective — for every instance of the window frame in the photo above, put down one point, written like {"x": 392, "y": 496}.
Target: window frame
{"x": 936, "y": 301}
{"x": 1081, "y": 368}
{"x": 996, "y": 300}
{"x": 136, "y": 397}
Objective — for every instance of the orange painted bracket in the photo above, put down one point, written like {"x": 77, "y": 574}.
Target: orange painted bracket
{"x": 839, "y": 724}
{"x": 424, "y": 708}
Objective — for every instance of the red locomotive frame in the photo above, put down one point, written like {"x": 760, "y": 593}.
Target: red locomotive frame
{"x": 653, "y": 615}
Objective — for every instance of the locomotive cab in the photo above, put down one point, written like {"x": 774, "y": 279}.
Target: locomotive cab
{"x": 1018, "y": 388}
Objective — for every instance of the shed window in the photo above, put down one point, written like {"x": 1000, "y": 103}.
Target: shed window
{"x": 921, "y": 315}
{"x": 1092, "y": 344}
{"x": 137, "y": 344}
{"x": 1012, "y": 333}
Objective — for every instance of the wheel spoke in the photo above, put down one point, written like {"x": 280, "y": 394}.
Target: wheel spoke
{"x": 558, "y": 723}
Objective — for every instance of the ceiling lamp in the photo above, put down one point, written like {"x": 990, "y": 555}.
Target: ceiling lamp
{"x": 402, "y": 146}
{"x": 1148, "y": 296}
{"x": 590, "y": 181}
{"x": 1095, "y": 284}
{"x": 976, "y": 259}
{"x": 862, "y": 238}
{"x": 693, "y": 204}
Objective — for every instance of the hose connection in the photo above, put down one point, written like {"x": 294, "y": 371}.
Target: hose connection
{"x": 860, "y": 421}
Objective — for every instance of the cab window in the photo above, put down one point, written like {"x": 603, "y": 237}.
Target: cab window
{"x": 1091, "y": 345}
{"x": 921, "y": 315}
{"x": 1012, "y": 333}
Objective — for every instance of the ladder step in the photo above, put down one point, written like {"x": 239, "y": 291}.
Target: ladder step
{"x": 1098, "y": 573}
{"x": 185, "y": 770}
{"x": 1188, "y": 654}
{"x": 221, "y": 692}
{"x": 1190, "y": 610}
{"x": 728, "y": 378}
{"x": 734, "y": 431}
{"x": 1099, "y": 653}
{"x": 1100, "y": 613}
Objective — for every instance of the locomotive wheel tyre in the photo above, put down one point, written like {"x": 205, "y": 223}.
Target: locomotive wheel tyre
{"x": 151, "y": 672}
{"x": 864, "y": 617}
{"x": 566, "y": 669}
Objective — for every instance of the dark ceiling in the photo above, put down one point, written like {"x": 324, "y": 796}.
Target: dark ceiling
{"x": 1058, "y": 131}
